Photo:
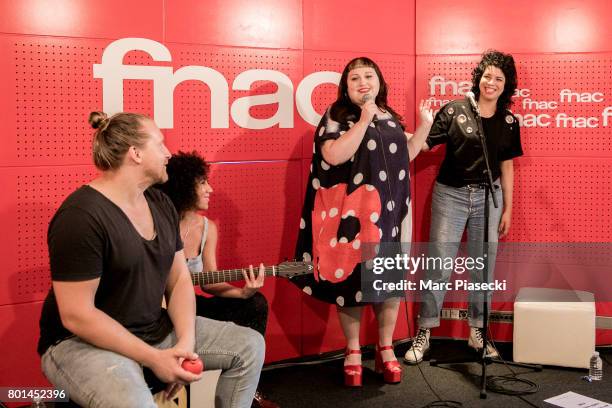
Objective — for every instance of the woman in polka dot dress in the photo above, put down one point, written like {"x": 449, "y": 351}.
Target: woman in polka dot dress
{"x": 358, "y": 196}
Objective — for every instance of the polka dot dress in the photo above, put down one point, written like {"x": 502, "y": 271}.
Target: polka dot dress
{"x": 349, "y": 209}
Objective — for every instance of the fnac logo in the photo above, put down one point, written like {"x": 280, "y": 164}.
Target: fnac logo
{"x": 112, "y": 71}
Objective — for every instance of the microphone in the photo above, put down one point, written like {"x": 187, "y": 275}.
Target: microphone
{"x": 364, "y": 99}
{"x": 471, "y": 97}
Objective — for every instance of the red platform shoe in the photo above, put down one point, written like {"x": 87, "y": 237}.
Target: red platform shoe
{"x": 391, "y": 370}
{"x": 352, "y": 373}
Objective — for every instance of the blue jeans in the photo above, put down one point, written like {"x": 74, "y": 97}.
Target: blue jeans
{"x": 452, "y": 210}
{"x": 94, "y": 377}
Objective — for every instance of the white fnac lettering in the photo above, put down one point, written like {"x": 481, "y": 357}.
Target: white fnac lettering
{"x": 113, "y": 72}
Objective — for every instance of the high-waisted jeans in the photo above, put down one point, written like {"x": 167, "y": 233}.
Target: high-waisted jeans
{"x": 452, "y": 210}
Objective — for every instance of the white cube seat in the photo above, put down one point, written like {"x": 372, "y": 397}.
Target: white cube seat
{"x": 554, "y": 327}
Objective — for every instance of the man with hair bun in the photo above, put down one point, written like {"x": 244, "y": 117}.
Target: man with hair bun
{"x": 115, "y": 251}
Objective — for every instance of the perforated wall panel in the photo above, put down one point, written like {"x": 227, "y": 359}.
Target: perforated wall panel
{"x": 580, "y": 85}
{"x": 52, "y": 91}
{"x": 563, "y": 110}
{"x": 555, "y": 199}
{"x": 561, "y": 184}
{"x": 257, "y": 206}
{"x": 562, "y": 200}
{"x": 30, "y": 198}
{"x": 564, "y": 167}
{"x": 426, "y": 170}
{"x": 192, "y": 105}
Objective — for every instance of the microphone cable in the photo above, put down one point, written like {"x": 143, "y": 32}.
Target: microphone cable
{"x": 440, "y": 402}
{"x": 507, "y": 384}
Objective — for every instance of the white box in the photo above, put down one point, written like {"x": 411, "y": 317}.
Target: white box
{"x": 202, "y": 392}
{"x": 554, "y": 327}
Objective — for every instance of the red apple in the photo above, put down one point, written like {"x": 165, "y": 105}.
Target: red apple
{"x": 194, "y": 366}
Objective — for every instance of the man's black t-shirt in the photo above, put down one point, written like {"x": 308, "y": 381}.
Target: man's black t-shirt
{"x": 463, "y": 163}
{"x": 90, "y": 237}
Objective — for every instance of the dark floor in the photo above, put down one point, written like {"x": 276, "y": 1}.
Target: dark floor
{"x": 320, "y": 385}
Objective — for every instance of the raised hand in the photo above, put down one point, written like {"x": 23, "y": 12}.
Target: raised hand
{"x": 425, "y": 112}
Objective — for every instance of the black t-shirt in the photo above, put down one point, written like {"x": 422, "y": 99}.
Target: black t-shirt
{"x": 463, "y": 163}
{"x": 90, "y": 237}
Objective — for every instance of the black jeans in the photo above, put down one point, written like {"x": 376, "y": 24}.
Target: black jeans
{"x": 251, "y": 312}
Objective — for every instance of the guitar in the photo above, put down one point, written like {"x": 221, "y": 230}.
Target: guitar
{"x": 286, "y": 269}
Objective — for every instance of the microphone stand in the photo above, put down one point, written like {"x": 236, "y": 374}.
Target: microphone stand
{"x": 483, "y": 359}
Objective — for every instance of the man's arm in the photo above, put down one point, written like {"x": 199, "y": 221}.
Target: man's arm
{"x": 180, "y": 297}
{"x": 81, "y": 317}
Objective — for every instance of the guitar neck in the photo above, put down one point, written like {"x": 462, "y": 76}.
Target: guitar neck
{"x": 227, "y": 275}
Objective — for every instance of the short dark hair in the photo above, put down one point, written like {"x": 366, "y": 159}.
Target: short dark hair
{"x": 505, "y": 62}
{"x": 185, "y": 170}
{"x": 343, "y": 106}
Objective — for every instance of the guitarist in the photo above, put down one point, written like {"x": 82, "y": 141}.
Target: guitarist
{"x": 189, "y": 190}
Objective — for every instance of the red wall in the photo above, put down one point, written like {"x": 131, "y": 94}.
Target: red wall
{"x": 562, "y": 183}
{"x": 48, "y": 87}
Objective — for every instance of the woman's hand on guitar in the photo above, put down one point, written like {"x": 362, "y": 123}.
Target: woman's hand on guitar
{"x": 253, "y": 283}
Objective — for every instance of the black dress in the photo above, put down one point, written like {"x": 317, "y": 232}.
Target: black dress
{"x": 351, "y": 208}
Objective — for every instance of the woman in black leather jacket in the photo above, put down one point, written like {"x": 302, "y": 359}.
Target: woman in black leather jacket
{"x": 458, "y": 195}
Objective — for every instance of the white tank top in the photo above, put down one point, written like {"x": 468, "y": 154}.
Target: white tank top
{"x": 196, "y": 264}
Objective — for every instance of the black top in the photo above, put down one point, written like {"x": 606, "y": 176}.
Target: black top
{"x": 90, "y": 237}
{"x": 463, "y": 163}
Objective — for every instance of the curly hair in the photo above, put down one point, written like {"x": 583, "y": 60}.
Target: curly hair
{"x": 185, "y": 170}
{"x": 343, "y": 106}
{"x": 505, "y": 62}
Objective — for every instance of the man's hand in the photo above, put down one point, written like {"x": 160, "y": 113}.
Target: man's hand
{"x": 166, "y": 365}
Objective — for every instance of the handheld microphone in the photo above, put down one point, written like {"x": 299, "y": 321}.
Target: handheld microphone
{"x": 366, "y": 98}
{"x": 471, "y": 97}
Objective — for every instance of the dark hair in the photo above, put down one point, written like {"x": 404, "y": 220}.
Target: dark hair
{"x": 343, "y": 106}
{"x": 185, "y": 170}
{"x": 505, "y": 62}
{"x": 114, "y": 136}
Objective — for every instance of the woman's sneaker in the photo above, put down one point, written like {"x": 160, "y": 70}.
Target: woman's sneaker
{"x": 475, "y": 341}
{"x": 420, "y": 346}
